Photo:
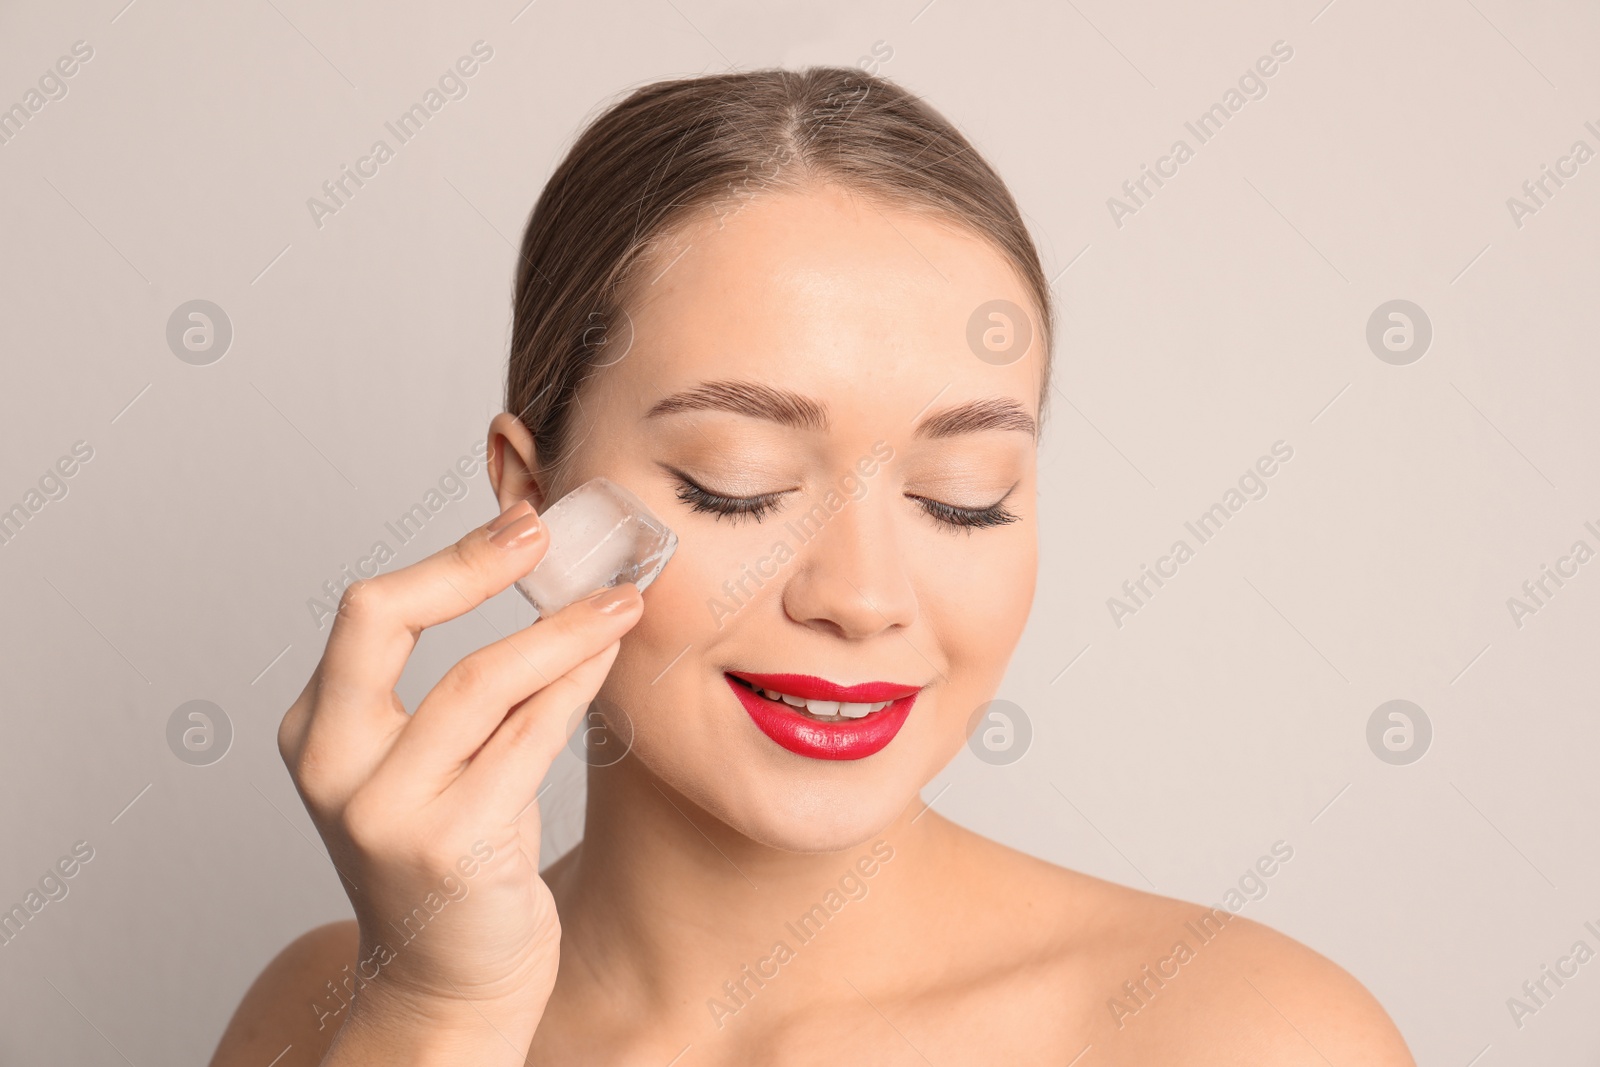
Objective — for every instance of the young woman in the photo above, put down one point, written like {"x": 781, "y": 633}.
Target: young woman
{"x": 800, "y": 317}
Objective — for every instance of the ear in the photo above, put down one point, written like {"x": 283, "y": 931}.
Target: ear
{"x": 512, "y": 461}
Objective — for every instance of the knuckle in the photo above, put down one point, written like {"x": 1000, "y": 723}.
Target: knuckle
{"x": 296, "y": 722}
{"x": 529, "y": 733}
{"x": 519, "y": 726}
{"x": 471, "y": 674}
{"x": 472, "y": 553}
{"x": 289, "y": 731}
{"x": 362, "y": 599}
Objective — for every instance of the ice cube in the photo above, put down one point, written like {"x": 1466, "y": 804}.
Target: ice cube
{"x": 600, "y": 535}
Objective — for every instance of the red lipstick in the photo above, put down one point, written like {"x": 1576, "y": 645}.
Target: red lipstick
{"x": 806, "y": 736}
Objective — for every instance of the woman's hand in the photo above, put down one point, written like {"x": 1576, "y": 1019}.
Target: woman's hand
{"x": 430, "y": 817}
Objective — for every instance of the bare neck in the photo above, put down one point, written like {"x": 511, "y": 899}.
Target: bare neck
{"x": 663, "y": 903}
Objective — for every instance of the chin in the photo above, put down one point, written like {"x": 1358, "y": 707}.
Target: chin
{"x": 779, "y": 800}
{"x": 815, "y": 818}
{"x": 783, "y": 801}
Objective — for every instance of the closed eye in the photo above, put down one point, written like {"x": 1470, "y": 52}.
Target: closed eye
{"x": 969, "y": 518}
{"x": 702, "y": 499}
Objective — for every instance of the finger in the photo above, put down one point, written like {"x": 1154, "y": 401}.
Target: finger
{"x": 474, "y": 697}
{"x": 503, "y": 779}
{"x": 292, "y": 727}
{"x": 380, "y": 619}
{"x": 353, "y": 716}
{"x": 330, "y": 762}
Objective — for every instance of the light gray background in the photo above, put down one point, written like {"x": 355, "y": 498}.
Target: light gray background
{"x": 1229, "y": 313}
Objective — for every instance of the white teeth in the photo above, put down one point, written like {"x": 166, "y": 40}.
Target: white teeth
{"x": 826, "y": 708}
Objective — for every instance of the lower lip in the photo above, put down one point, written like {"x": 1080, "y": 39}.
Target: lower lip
{"x": 848, "y": 739}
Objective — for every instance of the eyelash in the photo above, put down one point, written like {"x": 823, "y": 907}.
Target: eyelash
{"x": 704, "y": 500}
{"x": 968, "y": 519}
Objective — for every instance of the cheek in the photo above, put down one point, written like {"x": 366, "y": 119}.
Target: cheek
{"x": 718, "y": 573}
{"x": 708, "y": 589}
{"x": 975, "y": 599}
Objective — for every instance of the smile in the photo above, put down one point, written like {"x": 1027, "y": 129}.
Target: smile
{"x": 822, "y": 720}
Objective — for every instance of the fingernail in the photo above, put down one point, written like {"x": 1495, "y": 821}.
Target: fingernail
{"x": 509, "y": 515}
{"x": 519, "y": 533}
{"x": 615, "y": 599}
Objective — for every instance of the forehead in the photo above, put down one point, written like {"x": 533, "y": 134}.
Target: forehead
{"x": 822, "y": 290}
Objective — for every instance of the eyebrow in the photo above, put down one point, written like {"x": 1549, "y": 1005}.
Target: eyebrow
{"x": 990, "y": 413}
{"x": 791, "y": 409}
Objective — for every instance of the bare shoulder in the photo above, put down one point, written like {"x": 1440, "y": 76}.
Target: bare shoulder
{"x": 293, "y": 1008}
{"x": 1256, "y": 993}
{"x": 1202, "y": 983}
{"x": 1149, "y": 978}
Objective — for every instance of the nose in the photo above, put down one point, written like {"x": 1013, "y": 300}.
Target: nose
{"x": 852, "y": 581}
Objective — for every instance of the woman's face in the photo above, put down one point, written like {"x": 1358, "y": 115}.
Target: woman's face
{"x": 804, "y": 359}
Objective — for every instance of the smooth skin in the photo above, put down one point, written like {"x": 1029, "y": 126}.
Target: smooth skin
{"x": 708, "y": 843}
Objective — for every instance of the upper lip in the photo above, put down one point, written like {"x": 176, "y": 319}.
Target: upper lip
{"x": 809, "y": 687}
